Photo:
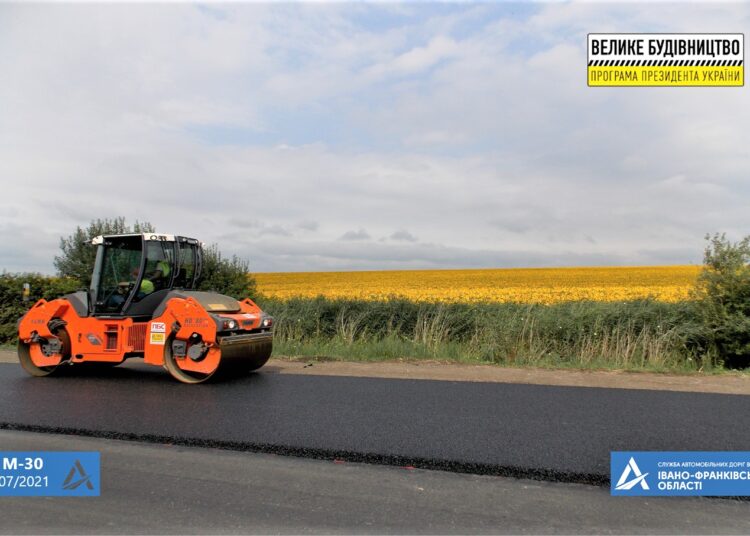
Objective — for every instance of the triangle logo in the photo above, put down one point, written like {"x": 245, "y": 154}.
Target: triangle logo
{"x": 74, "y": 482}
{"x": 638, "y": 477}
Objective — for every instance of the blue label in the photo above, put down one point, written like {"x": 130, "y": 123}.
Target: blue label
{"x": 61, "y": 474}
{"x": 680, "y": 473}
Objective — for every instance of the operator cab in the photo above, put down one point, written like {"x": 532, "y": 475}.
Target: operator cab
{"x": 134, "y": 272}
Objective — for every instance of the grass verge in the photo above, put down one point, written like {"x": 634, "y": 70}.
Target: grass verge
{"x": 642, "y": 335}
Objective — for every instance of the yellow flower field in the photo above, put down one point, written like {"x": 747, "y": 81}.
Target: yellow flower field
{"x": 526, "y": 285}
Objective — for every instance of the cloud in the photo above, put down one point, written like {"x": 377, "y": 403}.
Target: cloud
{"x": 297, "y": 255}
{"x": 245, "y": 224}
{"x": 276, "y": 230}
{"x": 684, "y": 186}
{"x": 355, "y": 235}
{"x": 416, "y": 59}
{"x": 260, "y": 228}
{"x": 308, "y": 225}
{"x": 511, "y": 225}
{"x": 403, "y": 235}
{"x": 280, "y": 129}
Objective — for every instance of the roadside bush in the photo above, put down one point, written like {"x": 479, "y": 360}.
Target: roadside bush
{"x": 722, "y": 301}
{"x": 12, "y": 306}
{"x": 228, "y": 276}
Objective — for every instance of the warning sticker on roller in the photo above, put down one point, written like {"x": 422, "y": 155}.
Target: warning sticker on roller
{"x": 158, "y": 338}
{"x": 616, "y": 60}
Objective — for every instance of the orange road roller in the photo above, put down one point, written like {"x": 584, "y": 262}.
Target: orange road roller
{"x": 143, "y": 303}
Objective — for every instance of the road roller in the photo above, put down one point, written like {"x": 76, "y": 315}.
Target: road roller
{"x": 143, "y": 303}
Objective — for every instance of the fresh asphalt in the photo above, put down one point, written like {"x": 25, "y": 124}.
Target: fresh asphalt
{"x": 171, "y": 489}
{"x": 528, "y": 431}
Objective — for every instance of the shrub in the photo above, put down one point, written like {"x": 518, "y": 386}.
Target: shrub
{"x": 722, "y": 299}
{"x": 226, "y": 275}
{"x": 12, "y": 306}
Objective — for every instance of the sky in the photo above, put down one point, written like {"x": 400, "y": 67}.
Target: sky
{"x": 358, "y": 136}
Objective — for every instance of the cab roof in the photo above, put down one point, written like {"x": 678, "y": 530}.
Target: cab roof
{"x": 146, "y": 236}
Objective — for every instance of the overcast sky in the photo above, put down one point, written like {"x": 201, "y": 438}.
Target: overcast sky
{"x": 364, "y": 136}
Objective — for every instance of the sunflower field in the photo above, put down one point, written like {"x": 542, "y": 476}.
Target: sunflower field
{"x": 539, "y": 285}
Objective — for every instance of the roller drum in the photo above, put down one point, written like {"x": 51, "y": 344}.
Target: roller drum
{"x": 244, "y": 353}
{"x": 238, "y": 355}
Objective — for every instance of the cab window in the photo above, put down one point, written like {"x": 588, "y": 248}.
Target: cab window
{"x": 120, "y": 266}
{"x": 159, "y": 267}
{"x": 186, "y": 274}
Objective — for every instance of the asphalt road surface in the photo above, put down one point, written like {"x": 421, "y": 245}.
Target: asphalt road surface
{"x": 528, "y": 431}
{"x": 162, "y": 489}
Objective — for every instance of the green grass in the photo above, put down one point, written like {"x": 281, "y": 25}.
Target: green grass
{"x": 636, "y": 336}
{"x": 392, "y": 349}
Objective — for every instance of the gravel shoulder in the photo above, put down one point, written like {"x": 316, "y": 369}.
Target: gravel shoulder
{"x": 738, "y": 384}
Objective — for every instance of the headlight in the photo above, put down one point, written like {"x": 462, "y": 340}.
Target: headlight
{"x": 267, "y": 322}
{"x": 230, "y": 324}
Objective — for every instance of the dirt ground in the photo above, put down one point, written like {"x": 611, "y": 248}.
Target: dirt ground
{"x": 427, "y": 370}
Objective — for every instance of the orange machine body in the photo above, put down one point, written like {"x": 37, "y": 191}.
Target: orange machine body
{"x": 143, "y": 303}
{"x": 112, "y": 340}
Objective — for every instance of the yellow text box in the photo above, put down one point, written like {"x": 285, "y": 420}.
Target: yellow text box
{"x": 713, "y": 76}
